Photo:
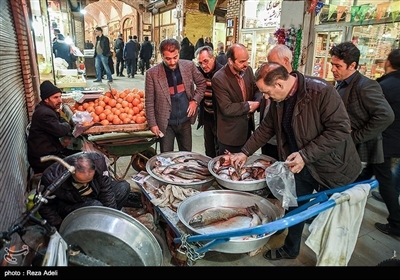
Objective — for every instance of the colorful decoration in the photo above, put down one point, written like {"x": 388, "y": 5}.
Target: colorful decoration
{"x": 318, "y": 8}
{"x": 340, "y": 11}
{"x": 313, "y": 4}
{"x": 291, "y": 37}
{"x": 211, "y": 5}
{"x": 381, "y": 10}
{"x": 363, "y": 12}
{"x": 332, "y": 9}
{"x": 395, "y": 9}
{"x": 354, "y": 12}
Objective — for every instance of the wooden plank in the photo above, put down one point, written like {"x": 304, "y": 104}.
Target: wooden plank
{"x": 98, "y": 129}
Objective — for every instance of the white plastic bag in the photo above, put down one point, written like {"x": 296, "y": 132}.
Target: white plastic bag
{"x": 282, "y": 184}
{"x": 81, "y": 117}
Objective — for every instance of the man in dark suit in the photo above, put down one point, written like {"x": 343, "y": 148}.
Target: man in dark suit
{"x": 130, "y": 56}
{"x": 237, "y": 98}
{"x": 174, "y": 88}
{"x": 145, "y": 54}
{"x": 370, "y": 114}
{"x": 118, "y": 50}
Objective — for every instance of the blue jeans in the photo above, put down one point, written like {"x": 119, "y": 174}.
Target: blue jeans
{"x": 102, "y": 60}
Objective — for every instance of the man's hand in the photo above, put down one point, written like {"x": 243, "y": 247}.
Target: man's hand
{"x": 157, "y": 132}
{"x": 295, "y": 162}
{"x": 253, "y": 106}
{"x": 192, "y": 108}
{"x": 238, "y": 160}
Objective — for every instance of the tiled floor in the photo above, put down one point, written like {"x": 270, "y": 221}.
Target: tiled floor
{"x": 371, "y": 248}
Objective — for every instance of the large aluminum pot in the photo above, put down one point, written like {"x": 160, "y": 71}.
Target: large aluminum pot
{"x": 228, "y": 198}
{"x": 111, "y": 236}
{"x": 252, "y": 185}
{"x": 200, "y": 185}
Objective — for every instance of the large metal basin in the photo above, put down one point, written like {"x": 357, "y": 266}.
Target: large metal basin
{"x": 228, "y": 198}
{"x": 252, "y": 185}
{"x": 200, "y": 185}
{"x": 111, "y": 236}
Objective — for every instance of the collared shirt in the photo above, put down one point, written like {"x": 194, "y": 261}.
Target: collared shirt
{"x": 242, "y": 85}
{"x": 294, "y": 87}
{"x": 342, "y": 85}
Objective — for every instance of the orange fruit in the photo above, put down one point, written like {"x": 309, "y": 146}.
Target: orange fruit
{"x": 96, "y": 119}
{"x": 140, "y": 119}
{"x": 116, "y": 120}
{"x": 118, "y": 105}
{"x": 114, "y": 91}
{"x": 102, "y": 103}
{"x": 102, "y": 116}
{"x": 80, "y": 108}
{"x": 85, "y": 105}
{"x": 141, "y": 93}
{"x": 108, "y": 94}
{"x": 124, "y": 103}
{"x": 135, "y": 101}
{"x": 90, "y": 109}
{"x": 98, "y": 110}
{"x": 105, "y": 122}
{"x": 140, "y": 106}
{"x": 110, "y": 117}
{"x": 117, "y": 112}
{"x": 129, "y": 97}
{"x": 127, "y": 120}
{"x": 107, "y": 111}
{"x": 106, "y": 99}
{"x": 112, "y": 102}
{"x": 135, "y": 110}
{"x": 122, "y": 94}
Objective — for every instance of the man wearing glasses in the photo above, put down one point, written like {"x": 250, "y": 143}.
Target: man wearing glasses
{"x": 91, "y": 185}
{"x": 208, "y": 66}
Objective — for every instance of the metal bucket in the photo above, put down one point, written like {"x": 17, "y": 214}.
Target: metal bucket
{"x": 252, "y": 185}
{"x": 111, "y": 236}
{"x": 200, "y": 185}
{"x": 227, "y": 198}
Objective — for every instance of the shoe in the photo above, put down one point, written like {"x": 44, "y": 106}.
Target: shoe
{"x": 110, "y": 81}
{"x": 387, "y": 229}
{"x": 277, "y": 254}
{"x": 133, "y": 76}
{"x": 122, "y": 75}
{"x": 97, "y": 81}
{"x": 142, "y": 73}
{"x": 377, "y": 196}
{"x": 129, "y": 75}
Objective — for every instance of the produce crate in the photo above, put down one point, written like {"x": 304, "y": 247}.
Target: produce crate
{"x": 80, "y": 82}
{"x": 99, "y": 129}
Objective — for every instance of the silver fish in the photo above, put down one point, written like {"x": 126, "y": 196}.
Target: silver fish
{"x": 216, "y": 214}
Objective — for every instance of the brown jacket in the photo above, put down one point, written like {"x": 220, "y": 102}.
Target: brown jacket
{"x": 322, "y": 130}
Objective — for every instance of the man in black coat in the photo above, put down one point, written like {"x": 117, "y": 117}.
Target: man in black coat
{"x": 91, "y": 185}
{"x": 118, "y": 50}
{"x": 47, "y": 128}
{"x": 145, "y": 54}
{"x": 390, "y": 83}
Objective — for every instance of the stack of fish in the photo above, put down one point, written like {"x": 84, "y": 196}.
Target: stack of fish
{"x": 171, "y": 196}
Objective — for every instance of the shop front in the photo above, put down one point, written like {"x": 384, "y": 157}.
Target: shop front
{"x": 260, "y": 21}
{"x": 372, "y": 25}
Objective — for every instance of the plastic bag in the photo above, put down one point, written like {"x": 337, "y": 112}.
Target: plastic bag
{"x": 81, "y": 117}
{"x": 282, "y": 184}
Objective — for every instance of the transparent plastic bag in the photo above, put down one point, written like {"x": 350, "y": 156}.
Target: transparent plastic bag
{"x": 281, "y": 183}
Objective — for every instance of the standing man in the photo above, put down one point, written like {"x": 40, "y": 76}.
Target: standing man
{"x": 237, "y": 98}
{"x": 388, "y": 191}
{"x": 130, "y": 57}
{"x": 208, "y": 66}
{"x": 101, "y": 54}
{"x": 91, "y": 185}
{"x": 62, "y": 49}
{"x": 174, "y": 88}
{"x": 146, "y": 52}
{"x": 118, "y": 50}
{"x": 135, "y": 39}
{"x": 282, "y": 55}
{"x": 49, "y": 132}
{"x": 221, "y": 56}
{"x": 370, "y": 114}
{"x": 312, "y": 129}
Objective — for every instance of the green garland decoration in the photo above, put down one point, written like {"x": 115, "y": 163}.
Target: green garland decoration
{"x": 297, "y": 49}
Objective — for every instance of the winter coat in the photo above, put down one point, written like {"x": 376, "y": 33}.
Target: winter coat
{"x": 130, "y": 50}
{"x": 119, "y": 47}
{"x": 370, "y": 114}
{"x": 67, "y": 194}
{"x": 390, "y": 84}
{"x": 187, "y": 50}
{"x": 146, "y": 50}
{"x": 47, "y": 126}
{"x": 104, "y": 44}
{"x": 63, "y": 50}
{"x": 321, "y": 127}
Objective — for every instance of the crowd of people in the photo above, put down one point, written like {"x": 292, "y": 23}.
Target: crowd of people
{"x": 327, "y": 135}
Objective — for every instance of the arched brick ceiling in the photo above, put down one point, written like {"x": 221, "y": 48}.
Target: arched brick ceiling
{"x": 95, "y": 8}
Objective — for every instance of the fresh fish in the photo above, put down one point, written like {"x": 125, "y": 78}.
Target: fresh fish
{"x": 216, "y": 214}
{"x": 264, "y": 218}
{"x": 189, "y": 175}
{"x": 255, "y": 219}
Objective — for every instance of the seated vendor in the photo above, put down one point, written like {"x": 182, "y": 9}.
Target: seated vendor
{"x": 49, "y": 132}
{"x": 91, "y": 185}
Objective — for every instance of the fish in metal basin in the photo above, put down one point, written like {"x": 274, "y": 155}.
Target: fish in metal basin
{"x": 216, "y": 214}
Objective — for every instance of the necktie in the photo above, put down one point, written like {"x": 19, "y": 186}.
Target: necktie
{"x": 242, "y": 86}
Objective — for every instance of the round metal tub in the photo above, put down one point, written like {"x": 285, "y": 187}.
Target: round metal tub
{"x": 228, "y": 198}
{"x": 111, "y": 236}
{"x": 200, "y": 185}
{"x": 252, "y": 185}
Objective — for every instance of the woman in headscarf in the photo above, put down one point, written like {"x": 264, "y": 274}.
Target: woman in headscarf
{"x": 187, "y": 50}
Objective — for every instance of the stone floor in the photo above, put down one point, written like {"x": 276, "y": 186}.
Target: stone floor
{"x": 372, "y": 246}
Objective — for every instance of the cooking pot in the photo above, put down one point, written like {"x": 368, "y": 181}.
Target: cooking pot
{"x": 234, "y": 199}
{"x": 111, "y": 236}
{"x": 199, "y": 185}
{"x": 251, "y": 185}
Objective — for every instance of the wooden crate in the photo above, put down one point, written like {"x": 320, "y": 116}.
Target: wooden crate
{"x": 99, "y": 129}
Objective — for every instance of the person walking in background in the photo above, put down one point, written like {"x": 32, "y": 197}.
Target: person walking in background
{"x": 370, "y": 114}
{"x": 208, "y": 66}
{"x": 237, "y": 98}
{"x": 62, "y": 50}
{"x": 187, "y": 50}
{"x": 56, "y": 31}
{"x": 312, "y": 129}
{"x": 88, "y": 45}
{"x": 119, "y": 50}
{"x": 146, "y": 52}
{"x": 130, "y": 56}
{"x": 135, "y": 39}
{"x": 101, "y": 54}
{"x": 282, "y": 55}
{"x": 174, "y": 88}
{"x": 221, "y": 56}
{"x": 388, "y": 191}
{"x": 199, "y": 43}
{"x": 207, "y": 42}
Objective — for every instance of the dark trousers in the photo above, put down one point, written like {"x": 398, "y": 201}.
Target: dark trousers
{"x": 305, "y": 184}
{"x": 121, "y": 190}
{"x": 183, "y": 135}
{"x": 120, "y": 65}
{"x": 131, "y": 66}
{"x": 383, "y": 174}
{"x": 210, "y": 135}
{"x": 145, "y": 64}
